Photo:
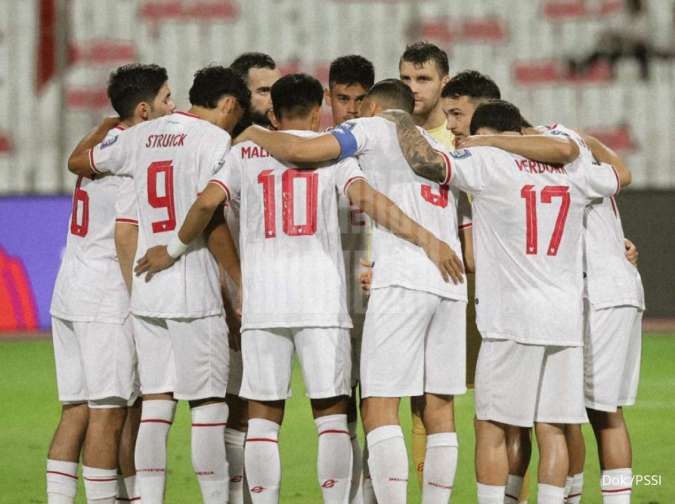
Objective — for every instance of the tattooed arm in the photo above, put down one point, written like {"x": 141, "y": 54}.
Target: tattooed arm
{"x": 420, "y": 155}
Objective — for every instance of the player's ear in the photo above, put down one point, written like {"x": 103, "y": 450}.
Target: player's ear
{"x": 227, "y": 105}
{"x": 276, "y": 124}
{"x": 445, "y": 80}
{"x": 326, "y": 94}
{"x": 142, "y": 111}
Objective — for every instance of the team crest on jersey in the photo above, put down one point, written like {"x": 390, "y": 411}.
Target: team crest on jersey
{"x": 109, "y": 142}
{"x": 461, "y": 154}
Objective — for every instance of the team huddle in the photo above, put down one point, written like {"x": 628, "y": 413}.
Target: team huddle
{"x": 207, "y": 248}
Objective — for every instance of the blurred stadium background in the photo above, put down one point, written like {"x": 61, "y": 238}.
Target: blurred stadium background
{"x": 550, "y": 57}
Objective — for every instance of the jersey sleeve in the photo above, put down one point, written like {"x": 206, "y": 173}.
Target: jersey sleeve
{"x": 215, "y": 152}
{"x": 126, "y": 211}
{"x": 347, "y": 172}
{"x": 601, "y": 180}
{"x": 352, "y": 137}
{"x": 464, "y": 216}
{"x": 228, "y": 177}
{"x": 110, "y": 156}
{"x": 441, "y": 149}
{"x": 466, "y": 170}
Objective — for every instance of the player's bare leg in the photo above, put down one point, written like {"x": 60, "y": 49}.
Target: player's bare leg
{"x": 553, "y": 462}
{"x": 615, "y": 453}
{"x": 126, "y": 484}
{"x": 262, "y": 460}
{"x": 419, "y": 437}
{"x": 150, "y": 454}
{"x": 209, "y": 459}
{"x": 101, "y": 448}
{"x": 519, "y": 451}
{"x": 235, "y": 438}
{"x": 576, "y": 448}
{"x": 492, "y": 464}
{"x": 440, "y": 462}
{"x": 64, "y": 453}
{"x": 387, "y": 456}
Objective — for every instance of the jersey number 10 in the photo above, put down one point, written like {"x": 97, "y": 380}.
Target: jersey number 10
{"x": 529, "y": 194}
{"x": 266, "y": 178}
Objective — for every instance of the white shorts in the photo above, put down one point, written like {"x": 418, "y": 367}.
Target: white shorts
{"x": 413, "y": 342}
{"x": 520, "y": 384}
{"x": 324, "y": 354}
{"x": 94, "y": 361}
{"x": 613, "y": 346}
{"x": 236, "y": 372}
{"x": 188, "y": 357}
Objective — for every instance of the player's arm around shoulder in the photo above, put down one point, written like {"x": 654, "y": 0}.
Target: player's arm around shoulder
{"x": 544, "y": 148}
{"x": 606, "y": 155}
{"x": 79, "y": 161}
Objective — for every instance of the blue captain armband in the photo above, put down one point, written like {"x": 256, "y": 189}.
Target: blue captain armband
{"x": 346, "y": 139}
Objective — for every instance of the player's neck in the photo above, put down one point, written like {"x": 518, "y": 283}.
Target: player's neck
{"x": 432, "y": 120}
{"x": 128, "y": 123}
{"x": 210, "y": 115}
{"x": 300, "y": 124}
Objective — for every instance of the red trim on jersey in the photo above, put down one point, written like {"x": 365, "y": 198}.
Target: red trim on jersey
{"x": 618, "y": 182}
{"x": 156, "y": 420}
{"x": 62, "y": 474}
{"x": 119, "y": 127}
{"x": 261, "y": 440}
{"x": 352, "y": 180}
{"x": 92, "y": 165}
{"x": 219, "y": 424}
{"x": 189, "y": 114}
{"x": 448, "y": 167}
{"x": 124, "y": 220}
{"x": 223, "y": 187}
{"x": 334, "y": 431}
{"x": 617, "y": 490}
{"x": 464, "y": 226}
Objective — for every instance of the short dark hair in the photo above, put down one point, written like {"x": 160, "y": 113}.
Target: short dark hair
{"x": 498, "y": 115}
{"x": 352, "y": 69}
{"x": 244, "y": 62}
{"x": 393, "y": 93}
{"x": 472, "y": 84}
{"x": 131, "y": 84}
{"x": 419, "y": 53}
{"x": 211, "y": 83}
{"x": 295, "y": 95}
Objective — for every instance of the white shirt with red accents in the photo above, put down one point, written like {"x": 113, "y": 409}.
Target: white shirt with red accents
{"x": 374, "y": 142}
{"x": 89, "y": 286}
{"x": 527, "y": 234}
{"x": 125, "y": 208}
{"x": 170, "y": 160}
{"x": 291, "y": 255}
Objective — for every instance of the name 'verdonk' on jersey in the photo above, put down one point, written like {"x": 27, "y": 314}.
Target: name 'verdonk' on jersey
{"x": 170, "y": 160}
{"x": 291, "y": 255}
{"x": 374, "y": 142}
{"x": 89, "y": 286}
{"x": 527, "y": 232}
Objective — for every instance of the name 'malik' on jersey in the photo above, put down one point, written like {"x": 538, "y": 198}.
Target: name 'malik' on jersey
{"x": 374, "y": 142}
{"x": 89, "y": 286}
{"x": 527, "y": 231}
{"x": 291, "y": 255}
{"x": 170, "y": 160}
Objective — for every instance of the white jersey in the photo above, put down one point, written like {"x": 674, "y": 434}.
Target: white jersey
{"x": 374, "y": 142}
{"x": 610, "y": 279}
{"x": 527, "y": 232}
{"x": 291, "y": 253}
{"x": 89, "y": 286}
{"x": 170, "y": 160}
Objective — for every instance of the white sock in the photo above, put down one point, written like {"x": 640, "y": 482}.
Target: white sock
{"x": 126, "y": 489}
{"x": 388, "y": 463}
{"x": 334, "y": 458}
{"x": 150, "y": 454}
{"x": 357, "y": 465}
{"x": 209, "y": 459}
{"x": 367, "y": 488}
{"x": 549, "y": 494}
{"x": 61, "y": 481}
{"x": 100, "y": 485}
{"x": 234, "y": 445}
{"x": 262, "y": 461}
{"x": 574, "y": 487}
{"x": 490, "y": 494}
{"x": 440, "y": 465}
{"x": 513, "y": 487}
{"x": 616, "y": 486}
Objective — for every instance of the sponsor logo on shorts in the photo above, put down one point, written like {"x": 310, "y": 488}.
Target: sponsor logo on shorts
{"x": 328, "y": 483}
{"x": 257, "y": 489}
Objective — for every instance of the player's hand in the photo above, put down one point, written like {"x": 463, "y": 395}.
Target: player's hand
{"x": 631, "y": 252}
{"x": 155, "y": 260}
{"x": 366, "y": 276}
{"x": 474, "y": 141}
{"x": 445, "y": 259}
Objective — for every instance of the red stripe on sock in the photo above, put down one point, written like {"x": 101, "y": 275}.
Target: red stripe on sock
{"x": 334, "y": 431}
{"x": 209, "y": 424}
{"x": 62, "y": 474}
{"x": 438, "y": 485}
{"x": 261, "y": 439}
{"x": 100, "y": 480}
{"x": 157, "y": 420}
{"x": 617, "y": 490}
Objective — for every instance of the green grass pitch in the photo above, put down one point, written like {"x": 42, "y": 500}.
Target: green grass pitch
{"x": 29, "y": 413}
